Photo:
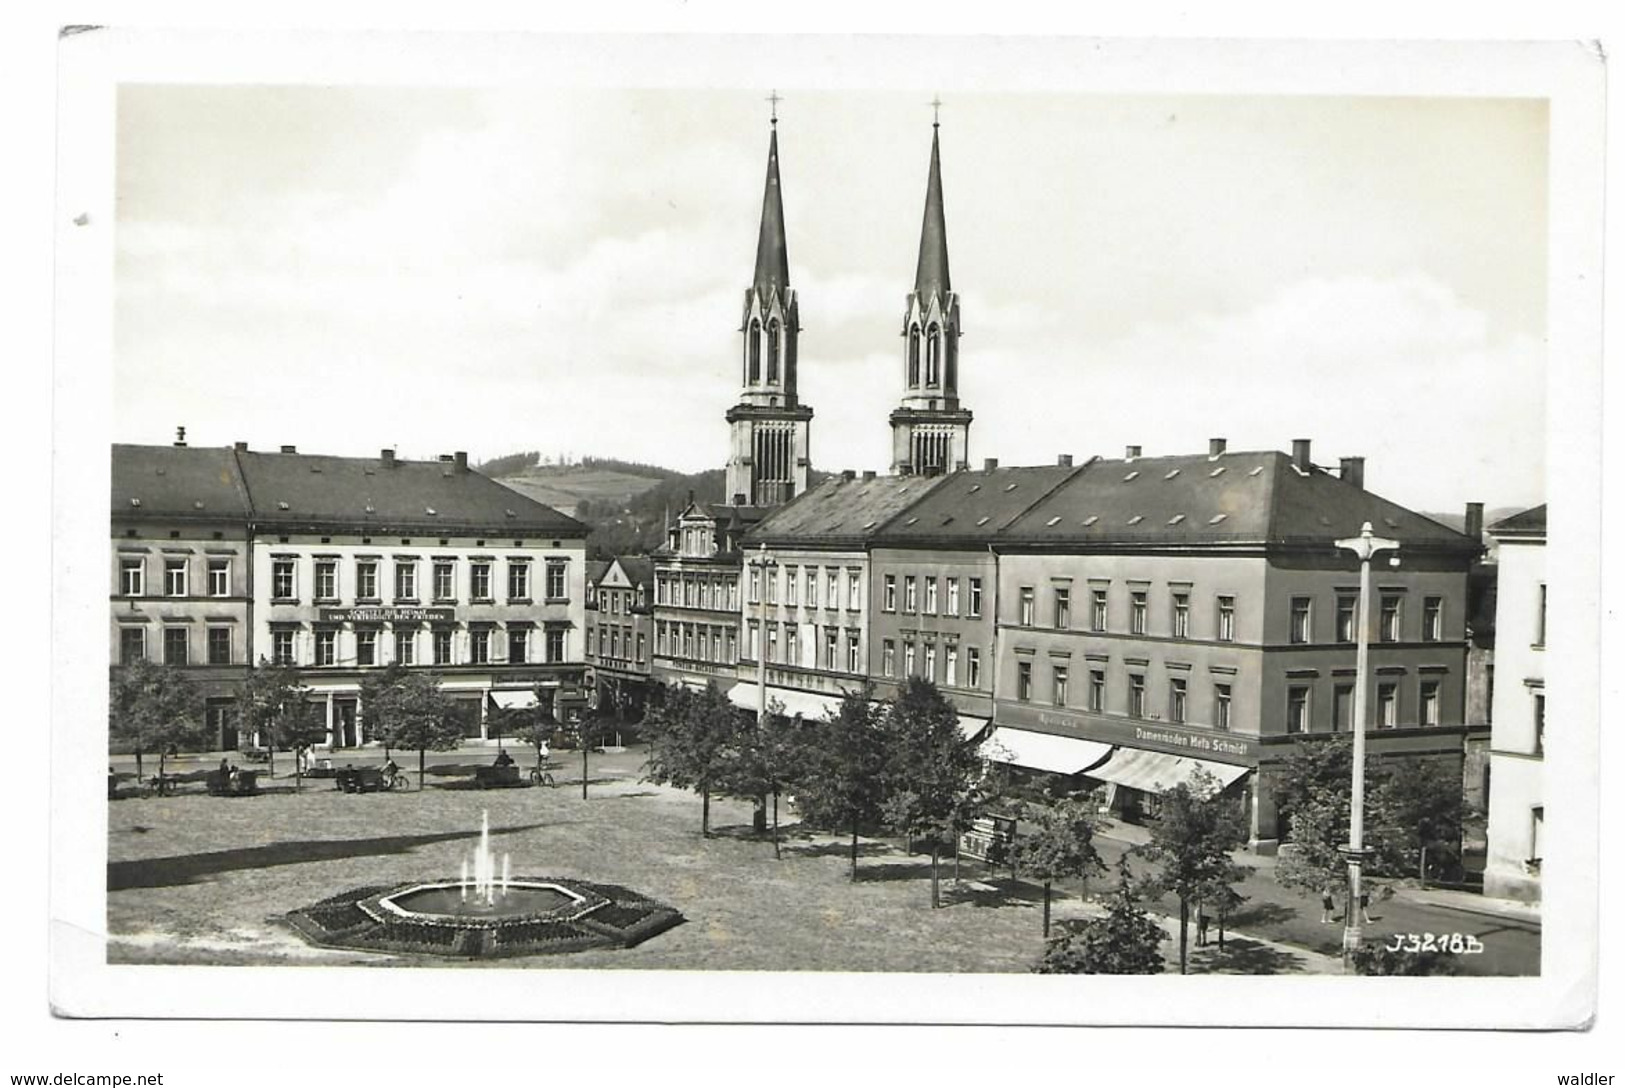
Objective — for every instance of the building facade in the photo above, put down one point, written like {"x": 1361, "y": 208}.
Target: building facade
{"x": 620, "y": 633}
{"x": 351, "y": 564}
{"x": 1517, "y": 805}
{"x": 697, "y": 596}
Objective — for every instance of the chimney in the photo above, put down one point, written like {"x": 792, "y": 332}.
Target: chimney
{"x": 1300, "y": 453}
{"x": 1475, "y": 521}
{"x": 868, "y": 474}
{"x": 848, "y": 474}
{"x": 445, "y": 458}
{"x": 180, "y": 436}
{"x": 240, "y": 447}
{"x": 387, "y": 457}
{"x": 1352, "y": 470}
{"x": 989, "y": 464}
{"x": 459, "y": 460}
{"x": 1131, "y": 452}
{"x": 1215, "y": 446}
{"x": 289, "y": 449}
{"x": 1064, "y": 460}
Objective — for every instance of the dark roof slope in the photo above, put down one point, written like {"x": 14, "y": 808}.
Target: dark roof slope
{"x": 1237, "y": 497}
{"x": 640, "y": 569}
{"x": 177, "y": 482}
{"x": 596, "y": 569}
{"x": 973, "y": 506}
{"x": 299, "y": 489}
{"x": 842, "y": 511}
{"x": 1531, "y": 522}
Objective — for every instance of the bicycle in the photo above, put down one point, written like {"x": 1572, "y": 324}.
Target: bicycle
{"x": 540, "y": 777}
{"x": 396, "y": 780}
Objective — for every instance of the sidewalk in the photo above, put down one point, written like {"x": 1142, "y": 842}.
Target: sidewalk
{"x": 1472, "y": 903}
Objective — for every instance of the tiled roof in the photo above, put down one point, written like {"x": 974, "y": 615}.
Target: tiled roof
{"x": 1531, "y": 522}
{"x": 973, "y": 506}
{"x": 841, "y": 510}
{"x": 596, "y": 569}
{"x": 177, "y": 482}
{"x": 1229, "y": 498}
{"x": 640, "y": 569}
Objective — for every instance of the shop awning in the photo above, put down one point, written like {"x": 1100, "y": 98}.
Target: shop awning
{"x": 514, "y": 700}
{"x": 803, "y": 703}
{"x": 1043, "y": 751}
{"x": 1154, "y": 772}
{"x": 971, "y": 728}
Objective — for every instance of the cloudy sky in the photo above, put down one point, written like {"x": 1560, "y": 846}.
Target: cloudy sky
{"x": 493, "y": 270}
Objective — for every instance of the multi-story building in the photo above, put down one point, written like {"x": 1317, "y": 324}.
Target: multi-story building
{"x": 620, "y": 632}
{"x": 180, "y": 571}
{"x": 1193, "y": 612}
{"x": 809, "y": 596}
{"x": 347, "y": 564}
{"x": 696, "y": 603}
{"x": 1517, "y": 806}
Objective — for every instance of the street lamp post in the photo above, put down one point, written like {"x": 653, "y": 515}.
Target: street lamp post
{"x": 1364, "y": 547}
{"x": 765, "y": 561}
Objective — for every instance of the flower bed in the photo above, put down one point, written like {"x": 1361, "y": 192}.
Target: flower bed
{"x": 599, "y": 916}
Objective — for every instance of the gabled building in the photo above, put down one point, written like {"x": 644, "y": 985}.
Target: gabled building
{"x": 696, "y": 603}
{"x": 620, "y": 632}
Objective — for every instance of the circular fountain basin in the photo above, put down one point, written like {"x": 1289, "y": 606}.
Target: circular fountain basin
{"x": 448, "y": 901}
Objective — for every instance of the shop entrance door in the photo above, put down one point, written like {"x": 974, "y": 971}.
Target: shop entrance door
{"x": 344, "y": 723}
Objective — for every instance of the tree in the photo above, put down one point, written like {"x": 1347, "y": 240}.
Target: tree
{"x": 152, "y": 707}
{"x": 1416, "y": 813}
{"x": 759, "y": 759}
{"x": 1056, "y": 842}
{"x": 409, "y": 710}
{"x": 689, "y": 733}
{"x": 1124, "y": 942}
{"x": 931, "y": 772}
{"x": 841, "y": 778}
{"x": 1191, "y": 842}
{"x": 274, "y": 708}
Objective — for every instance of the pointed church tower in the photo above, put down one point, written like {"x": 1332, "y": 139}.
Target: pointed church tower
{"x": 930, "y": 431}
{"x": 768, "y": 451}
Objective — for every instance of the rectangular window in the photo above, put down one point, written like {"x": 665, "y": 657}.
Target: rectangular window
{"x": 688, "y": 641}
{"x": 639, "y": 658}
{"x": 445, "y": 581}
{"x": 755, "y": 585}
{"x": 660, "y": 639}
{"x": 366, "y": 647}
{"x": 1346, "y": 605}
{"x": 219, "y": 577}
{"x": 1136, "y": 695}
{"x": 1097, "y": 610}
{"x": 175, "y": 577}
{"x": 911, "y": 599}
{"x": 219, "y": 645}
{"x": 1387, "y": 705}
{"x": 1176, "y": 699}
{"x": 1058, "y": 681}
{"x": 1097, "y": 690}
{"x": 854, "y": 590}
{"x": 973, "y": 597}
{"x": 1024, "y": 681}
{"x": 854, "y": 662}
{"x": 908, "y": 657}
{"x": 792, "y": 579}
{"x": 518, "y": 645}
{"x": 479, "y": 646}
{"x": 1429, "y": 710}
{"x": 950, "y": 666}
{"x": 1063, "y": 607}
{"x": 1182, "y": 615}
{"x": 1343, "y": 708}
{"x": 792, "y": 648}
{"x": 930, "y": 596}
{"x": 1227, "y": 619}
{"x": 1136, "y": 612}
{"x": 132, "y": 645}
{"x": 442, "y": 647}
{"x": 406, "y": 580}
{"x": 888, "y": 594}
{"x": 1221, "y": 706}
{"x": 327, "y": 647}
{"x": 406, "y": 648}
{"x": 1298, "y": 628}
{"x": 1389, "y": 629}
{"x": 1432, "y": 619}
{"x": 953, "y": 597}
{"x": 327, "y": 580}
{"x": 366, "y": 580}
{"x": 557, "y": 580}
{"x": 832, "y": 589}
{"x": 282, "y": 647}
{"x": 1540, "y": 617}
{"x": 753, "y": 641}
{"x": 132, "y": 577}
{"x": 888, "y": 658}
{"x": 773, "y": 584}
{"x": 930, "y": 669}
{"x": 1297, "y": 710}
{"x": 730, "y": 654}
{"x": 973, "y": 667}
{"x": 810, "y": 584}
{"x": 831, "y": 647}
{"x": 175, "y": 646}
{"x": 1540, "y": 722}
{"x": 518, "y": 580}
{"x": 283, "y": 586}
{"x": 773, "y": 642}
{"x": 1025, "y": 616}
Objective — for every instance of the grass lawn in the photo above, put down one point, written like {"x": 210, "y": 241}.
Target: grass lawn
{"x": 199, "y": 879}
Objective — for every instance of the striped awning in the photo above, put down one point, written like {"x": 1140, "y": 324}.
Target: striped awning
{"x": 1155, "y": 772}
{"x": 804, "y": 704}
{"x": 514, "y": 700}
{"x": 1043, "y": 751}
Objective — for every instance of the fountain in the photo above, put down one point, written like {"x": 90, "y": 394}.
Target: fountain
{"x": 486, "y": 911}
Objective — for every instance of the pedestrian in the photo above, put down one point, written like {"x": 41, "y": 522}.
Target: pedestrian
{"x": 1326, "y": 903}
{"x": 1365, "y": 903}
{"x": 1201, "y": 925}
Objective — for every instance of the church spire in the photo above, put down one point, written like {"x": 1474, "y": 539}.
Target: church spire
{"x": 931, "y": 276}
{"x": 772, "y": 256}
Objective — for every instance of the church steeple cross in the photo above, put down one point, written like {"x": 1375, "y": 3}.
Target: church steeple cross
{"x": 774, "y": 99}
{"x": 936, "y": 111}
